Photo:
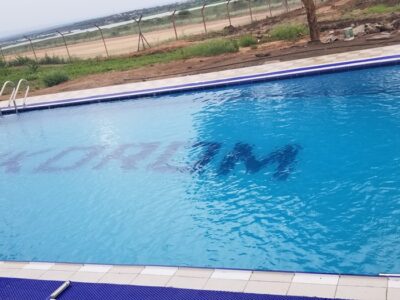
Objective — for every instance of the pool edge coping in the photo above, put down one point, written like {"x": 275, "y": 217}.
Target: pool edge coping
{"x": 289, "y": 73}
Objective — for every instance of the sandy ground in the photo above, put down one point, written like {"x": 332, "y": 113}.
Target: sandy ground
{"x": 128, "y": 44}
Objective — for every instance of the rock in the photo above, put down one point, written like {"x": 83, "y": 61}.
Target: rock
{"x": 379, "y": 26}
{"x": 371, "y": 28}
{"x": 359, "y": 30}
{"x": 339, "y": 34}
{"x": 380, "y": 36}
{"x": 387, "y": 27}
{"x": 329, "y": 39}
{"x": 396, "y": 24}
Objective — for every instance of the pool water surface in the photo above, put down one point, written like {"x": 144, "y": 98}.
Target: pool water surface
{"x": 294, "y": 175}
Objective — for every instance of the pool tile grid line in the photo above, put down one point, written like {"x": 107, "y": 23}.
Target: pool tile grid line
{"x": 303, "y": 67}
{"x": 243, "y": 281}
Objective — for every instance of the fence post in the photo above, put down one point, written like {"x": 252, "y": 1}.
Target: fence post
{"x": 104, "y": 41}
{"x": 250, "y": 11}
{"x": 228, "y": 12}
{"x": 285, "y": 4}
{"x": 270, "y": 9}
{"x": 65, "y": 44}
{"x": 204, "y": 18}
{"x": 174, "y": 24}
{"x": 141, "y": 36}
{"x": 33, "y": 49}
{"x": 2, "y": 54}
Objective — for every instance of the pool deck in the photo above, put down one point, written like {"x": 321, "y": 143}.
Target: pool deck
{"x": 205, "y": 80}
{"x": 279, "y": 283}
{"x": 241, "y": 281}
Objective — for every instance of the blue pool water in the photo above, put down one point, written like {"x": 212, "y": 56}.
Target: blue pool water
{"x": 300, "y": 174}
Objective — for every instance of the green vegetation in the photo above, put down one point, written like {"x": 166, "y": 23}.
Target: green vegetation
{"x": 47, "y": 75}
{"x": 184, "y": 14}
{"x": 54, "y": 77}
{"x": 381, "y": 9}
{"x": 288, "y": 32}
{"x": 211, "y": 48}
{"x": 372, "y": 10}
{"x": 47, "y": 60}
{"x": 2, "y": 63}
{"x": 247, "y": 41}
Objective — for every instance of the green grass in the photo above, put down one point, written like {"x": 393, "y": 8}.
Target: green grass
{"x": 80, "y": 68}
{"x": 288, "y": 32}
{"x": 381, "y": 9}
{"x": 54, "y": 78}
{"x": 371, "y": 10}
{"x": 247, "y": 41}
{"x": 211, "y": 48}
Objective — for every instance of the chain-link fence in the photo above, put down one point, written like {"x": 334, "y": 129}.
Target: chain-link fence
{"x": 134, "y": 35}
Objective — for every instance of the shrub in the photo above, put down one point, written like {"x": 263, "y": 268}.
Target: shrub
{"x": 288, "y": 32}
{"x": 55, "y": 77}
{"x": 21, "y": 61}
{"x": 211, "y": 48}
{"x": 51, "y": 60}
{"x": 32, "y": 77}
{"x": 247, "y": 41}
{"x": 33, "y": 67}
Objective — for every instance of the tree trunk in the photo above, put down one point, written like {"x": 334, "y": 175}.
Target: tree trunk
{"x": 309, "y": 5}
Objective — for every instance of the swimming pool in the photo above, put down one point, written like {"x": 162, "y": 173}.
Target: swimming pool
{"x": 300, "y": 174}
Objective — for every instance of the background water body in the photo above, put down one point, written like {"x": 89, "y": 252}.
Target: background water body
{"x": 337, "y": 211}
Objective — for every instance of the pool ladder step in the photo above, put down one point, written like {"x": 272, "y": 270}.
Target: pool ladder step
{"x": 14, "y": 92}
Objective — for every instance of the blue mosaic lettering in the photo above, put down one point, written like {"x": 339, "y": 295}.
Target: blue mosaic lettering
{"x": 212, "y": 149}
{"x": 284, "y": 158}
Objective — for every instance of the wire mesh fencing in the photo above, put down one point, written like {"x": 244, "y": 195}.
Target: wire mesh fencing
{"x": 143, "y": 32}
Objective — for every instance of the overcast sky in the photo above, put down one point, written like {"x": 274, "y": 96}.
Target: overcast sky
{"x": 19, "y": 16}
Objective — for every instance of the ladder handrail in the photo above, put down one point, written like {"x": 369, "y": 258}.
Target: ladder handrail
{"x": 8, "y": 82}
{"x": 4, "y": 87}
{"x": 16, "y": 90}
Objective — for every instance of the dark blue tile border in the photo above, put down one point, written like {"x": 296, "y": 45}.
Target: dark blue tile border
{"x": 261, "y": 77}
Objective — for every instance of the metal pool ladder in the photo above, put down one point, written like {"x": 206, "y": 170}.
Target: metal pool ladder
{"x": 14, "y": 93}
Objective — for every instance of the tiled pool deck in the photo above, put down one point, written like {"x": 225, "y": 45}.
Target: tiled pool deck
{"x": 275, "y": 283}
{"x": 299, "y": 284}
